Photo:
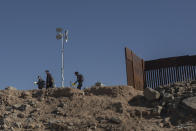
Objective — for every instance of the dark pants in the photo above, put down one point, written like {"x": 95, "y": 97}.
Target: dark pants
{"x": 49, "y": 85}
{"x": 79, "y": 85}
{"x": 40, "y": 87}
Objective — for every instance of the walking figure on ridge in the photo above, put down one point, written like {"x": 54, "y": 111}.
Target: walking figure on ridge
{"x": 40, "y": 83}
{"x": 49, "y": 80}
{"x": 79, "y": 80}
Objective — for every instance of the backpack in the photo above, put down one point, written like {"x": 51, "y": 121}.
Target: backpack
{"x": 81, "y": 78}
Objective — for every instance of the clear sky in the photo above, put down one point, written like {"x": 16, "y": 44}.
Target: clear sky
{"x": 98, "y": 32}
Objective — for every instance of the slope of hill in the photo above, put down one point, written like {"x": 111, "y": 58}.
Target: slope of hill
{"x": 118, "y": 108}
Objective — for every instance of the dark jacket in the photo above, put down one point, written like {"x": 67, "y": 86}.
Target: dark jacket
{"x": 49, "y": 80}
{"x": 40, "y": 83}
{"x": 80, "y": 78}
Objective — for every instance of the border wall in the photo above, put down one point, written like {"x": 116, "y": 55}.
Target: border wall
{"x": 164, "y": 71}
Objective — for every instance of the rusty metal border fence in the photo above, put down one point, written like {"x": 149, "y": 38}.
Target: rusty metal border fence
{"x": 154, "y": 73}
{"x": 134, "y": 69}
{"x": 169, "y": 70}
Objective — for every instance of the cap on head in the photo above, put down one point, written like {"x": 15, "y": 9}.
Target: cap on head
{"x": 46, "y": 71}
{"x": 76, "y": 73}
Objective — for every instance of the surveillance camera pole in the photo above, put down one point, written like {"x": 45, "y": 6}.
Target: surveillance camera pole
{"x": 62, "y": 34}
{"x": 62, "y": 67}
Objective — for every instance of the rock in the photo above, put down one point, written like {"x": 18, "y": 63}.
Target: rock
{"x": 193, "y": 82}
{"x": 179, "y": 90}
{"x": 16, "y": 106}
{"x": 146, "y": 113}
{"x": 31, "y": 125}
{"x": 12, "y": 129}
{"x": 137, "y": 113}
{"x": 179, "y": 84}
{"x": 190, "y": 104}
{"x": 117, "y": 107}
{"x": 58, "y": 125}
{"x": 41, "y": 99}
{"x": 172, "y": 90}
{"x": 25, "y": 94}
{"x": 101, "y": 119}
{"x": 166, "y": 122}
{"x": 70, "y": 124}
{"x": 17, "y": 124}
{"x": 61, "y": 105}
{"x": 171, "y": 107}
{"x": 21, "y": 107}
{"x": 91, "y": 125}
{"x": 32, "y": 103}
{"x": 38, "y": 126}
{"x": 38, "y": 93}
{"x": 194, "y": 88}
{"x": 115, "y": 120}
{"x": 59, "y": 111}
{"x": 99, "y": 84}
{"x": 104, "y": 126}
{"x": 8, "y": 108}
{"x": 151, "y": 94}
{"x": 21, "y": 115}
{"x": 163, "y": 103}
{"x": 157, "y": 111}
{"x": 89, "y": 129}
{"x": 161, "y": 124}
{"x": 5, "y": 122}
{"x": 168, "y": 97}
{"x": 102, "y": 108}
{"x": 159, "y": 88}
{"x": 65, "y": 92}
{"x": 10, "y": 88}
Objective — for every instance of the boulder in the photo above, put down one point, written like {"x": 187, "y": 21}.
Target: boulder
{"x": 10, "y": 88}
{"x": 190, "y": 103}
{"x": 151, "y": 94}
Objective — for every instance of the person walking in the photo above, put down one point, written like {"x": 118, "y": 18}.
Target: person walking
{"x": 79, "y": 80}
{"x": 49, "y": 80}
{"x": 40, "y": 83}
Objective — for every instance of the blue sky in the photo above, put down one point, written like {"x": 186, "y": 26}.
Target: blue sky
{"x": 98, "y": 32}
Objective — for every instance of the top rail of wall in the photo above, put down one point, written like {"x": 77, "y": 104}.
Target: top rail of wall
{"x": 170, "y": 62}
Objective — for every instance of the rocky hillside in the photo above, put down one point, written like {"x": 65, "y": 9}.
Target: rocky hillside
{"x": 119, "y": 108}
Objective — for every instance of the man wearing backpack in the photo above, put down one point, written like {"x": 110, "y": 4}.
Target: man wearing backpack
{"x": 79, "y": 80}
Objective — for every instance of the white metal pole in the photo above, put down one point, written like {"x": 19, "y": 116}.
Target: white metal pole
{"x": 62, "y": 68}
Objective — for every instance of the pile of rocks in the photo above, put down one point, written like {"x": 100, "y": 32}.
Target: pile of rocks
{"x": 99, "y": 108}
{"x": 96, "y": 108}
{"x": 178, "y": 101}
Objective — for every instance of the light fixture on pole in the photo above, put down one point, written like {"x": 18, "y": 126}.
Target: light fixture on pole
{"x": 62, "y": 34}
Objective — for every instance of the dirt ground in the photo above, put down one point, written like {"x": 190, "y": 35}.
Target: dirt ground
{"x": 117, "y": 108}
